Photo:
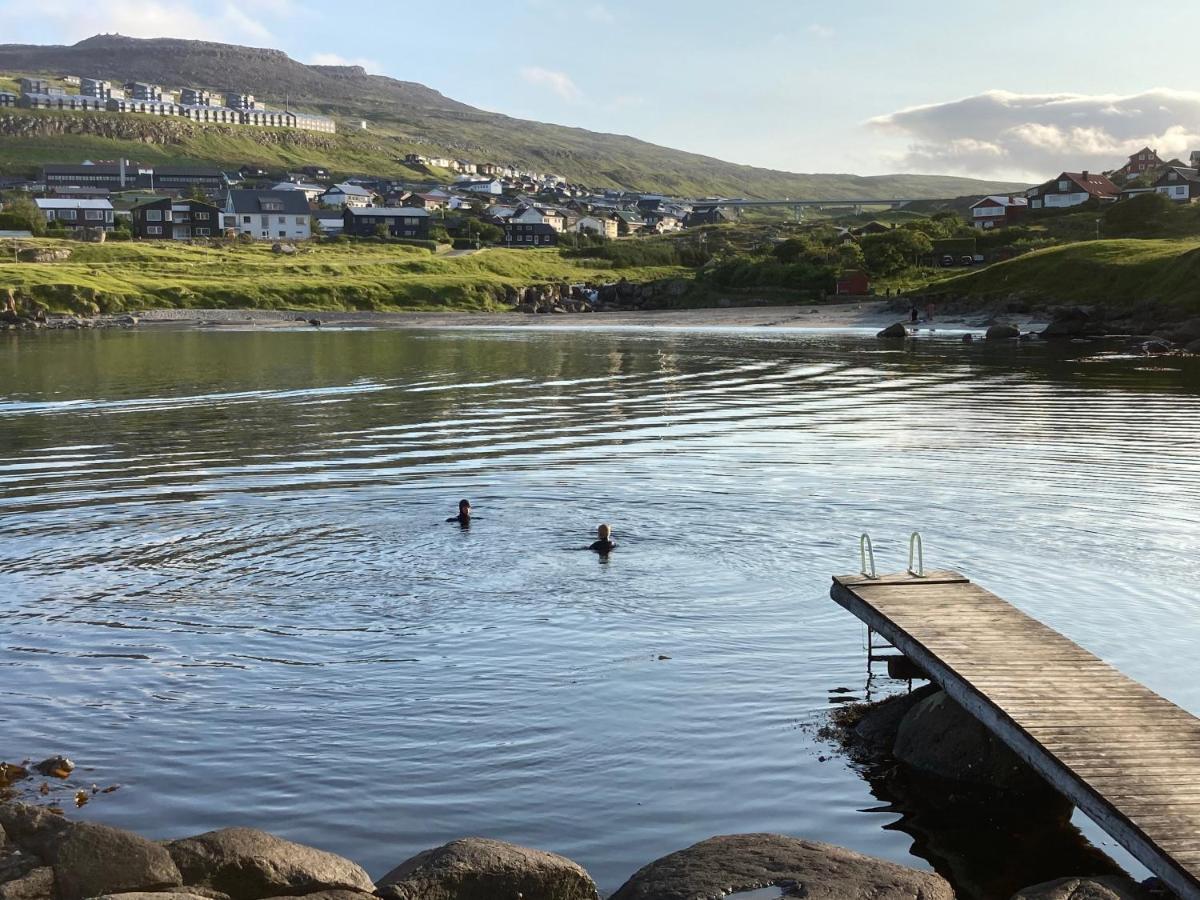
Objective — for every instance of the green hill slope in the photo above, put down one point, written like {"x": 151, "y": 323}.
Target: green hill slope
{"x": 406, "y": 116}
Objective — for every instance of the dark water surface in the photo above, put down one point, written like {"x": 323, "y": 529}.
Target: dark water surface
{"x": 225, "y": 581}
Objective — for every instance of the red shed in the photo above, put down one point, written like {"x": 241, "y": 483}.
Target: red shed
{"x": 854, "y": 283}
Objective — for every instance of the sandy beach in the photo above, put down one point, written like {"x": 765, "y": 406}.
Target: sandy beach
{"x": 867, "y": 314}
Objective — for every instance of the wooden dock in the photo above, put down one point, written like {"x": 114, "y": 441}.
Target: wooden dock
{"x": 1128, "y": 758}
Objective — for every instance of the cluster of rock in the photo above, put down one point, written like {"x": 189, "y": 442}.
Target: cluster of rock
{"x": 581, "y": 298}
{"x": 10, "y": 321}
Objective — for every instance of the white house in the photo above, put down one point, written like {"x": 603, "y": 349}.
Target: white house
{"x": 606, "y": 228}
{"x": 492, "y": 186}
{"x": 1072, "y": 189}
{"x": 268, "y": 215}
{"x": 535, "y": 215}
{"x": 342, "y": 195}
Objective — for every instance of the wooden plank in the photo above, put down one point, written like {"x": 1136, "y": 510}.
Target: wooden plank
{"x": 1128, "y": 758}
{"x": 933, "y": 576}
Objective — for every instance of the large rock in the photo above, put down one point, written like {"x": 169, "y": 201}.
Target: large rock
{"x": 37, "y": 884}
{"x": 246, "y": 864}
{"x": 31, "y": 827}
{"x": 1002, "y": 333}
{"x": 91, "y": 859}
{"x": 895, "y": 330}
{"x": 153, "y": 895}
{"x": 880, "y": 723}
{"x": 1109, "y": 887}
{"x": 938, "y": 737}
{"x": 742, "y": 862}
{"x": 482, "y": 869}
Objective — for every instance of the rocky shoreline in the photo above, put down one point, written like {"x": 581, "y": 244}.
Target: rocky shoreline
{"x": 921, "y": 741}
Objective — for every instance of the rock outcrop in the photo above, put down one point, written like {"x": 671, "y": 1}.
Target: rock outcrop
{"x": 90, "y": 859}
{"x": 816, "y": 871}
{"x": 247, "y": 864}
{"x": 1105, "y": 887}
{"x": 482, "y": 869}
{"x": 895, "y": 330}
{"x": 1002, "y": 333}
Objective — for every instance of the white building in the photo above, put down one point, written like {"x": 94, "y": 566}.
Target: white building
{"x": 605, "y": 228}
{"x": 312, "y": 192}
{"x": 342, "y": 195}
{"x": 269, "y": 215}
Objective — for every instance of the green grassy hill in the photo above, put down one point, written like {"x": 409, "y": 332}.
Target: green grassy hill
{"x": 405, "y": 116}
{"x": 1125, "y": 276}
{"x": 117, "y": 276}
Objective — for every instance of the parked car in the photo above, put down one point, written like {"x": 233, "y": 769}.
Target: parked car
{"x": 947, "y": 261}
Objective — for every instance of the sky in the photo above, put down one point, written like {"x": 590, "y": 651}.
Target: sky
{"x": 1018, "y": 89}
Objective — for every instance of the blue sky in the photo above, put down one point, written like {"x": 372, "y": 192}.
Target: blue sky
{"x": 1004, "y": 89}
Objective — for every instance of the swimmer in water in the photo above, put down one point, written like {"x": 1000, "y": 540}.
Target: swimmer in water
{"x": 464, "y": 514}
{"x": 604, "y": 543}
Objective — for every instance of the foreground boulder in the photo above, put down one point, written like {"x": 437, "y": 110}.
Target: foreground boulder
{"x": 31, "y": 828}
{"x": 1107, "y": 887}
{"x": 36, "y": 884}
{"x": 90, "y": 859}
{"x": 246, "y": 863}
{"x": 1002, "y": 333}
{"x": 482, "y": 869}
{"x": 896, "y": 330}
{"x": 938, "y": 737}
{"x": 880, "y": 722}
{"x": 742, "y": 862}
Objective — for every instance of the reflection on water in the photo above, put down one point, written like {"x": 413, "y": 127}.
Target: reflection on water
{"x": 226, "y": 579}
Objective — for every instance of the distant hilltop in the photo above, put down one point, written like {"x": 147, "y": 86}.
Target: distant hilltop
{"x": 415, "y": 118}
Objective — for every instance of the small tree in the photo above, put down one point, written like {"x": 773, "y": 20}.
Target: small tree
{"x": 895, "y": 251}
{"x": 23, "y": 214}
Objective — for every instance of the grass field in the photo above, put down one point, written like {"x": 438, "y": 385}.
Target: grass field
{"x": 1120, "y": 275}
{"x": 119, "y": 276}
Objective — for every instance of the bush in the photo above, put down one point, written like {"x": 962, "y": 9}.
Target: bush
{"x": 22, "y": 214}
{"x": 463, "y": 243}
{"x": 1142, "y": 214}
{"x": 416, "y": 242}
{"x": 631, "y": 254}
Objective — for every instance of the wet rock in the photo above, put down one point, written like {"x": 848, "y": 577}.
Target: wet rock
{"x": 880, "y": 723}
{"x": 1186, "y": 332}
{"x": 742, "y": 862}
{"x": 1155, "y": 346}
{"x": 246, "y": 863}
{"x": 36, "y": 884}
{"x": 1109, "y": 887}
{"x": 1193, "y": 347}
{"x": 58, "y": 766}
{"x": 15, "y": 863}
{"x": 332, "y": 895}
{"x": 482, "y": 869}
{"x": 895, "y": 330}
{"x": 1002, "y": 333}
{"x": 91, "y": 859}
{"x": 938, "y": 737}
{"x": 1068, "y": 323}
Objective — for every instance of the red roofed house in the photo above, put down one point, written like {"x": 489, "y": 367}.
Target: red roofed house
{"x": 1072, "y": 189}
{"x": 998, "y": 211}
{"x": 1145, "y": 160}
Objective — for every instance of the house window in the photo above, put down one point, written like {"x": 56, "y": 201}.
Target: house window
{"x": 283, "y": 232}
{"x": 94, "y": 215}
{"x": 153, "y": 229}
{"x": 202, "y": 232}
{"x": 245, "y": 220}
{"x": 1064, "y": 185}
{"x": 283, "y": 220}
{"x": 300, "y": 220}
{"x": 200, "y": 216}
{"x": 154, "y": 215}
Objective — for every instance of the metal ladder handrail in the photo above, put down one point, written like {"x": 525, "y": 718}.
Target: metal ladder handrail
{"x": 866, "y": 555}
{"x": 916, "y": 550}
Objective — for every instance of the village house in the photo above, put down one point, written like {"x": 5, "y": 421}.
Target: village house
{"x": 706, "y": 215}
{"x": 193, "y": 96}
{"x": 855, "y": 284}
{"x": 400, "y": 221}
{"x": 346, "y": 195}
{"x": 1072, "y": 189}
{"x": 330, "y": 224}
{"x": 997, "y": 211}
{"x": 1194, "y": 159}
{"x": 427, "y": 201}
{"x": 100, "y": 89}
{"x": 8, "y": 98}
{"x": 597, "y": 225}
{"x": 141, "y": 90}
{"x": 660, "y": 221}
{"x": 492, "y": 186}
{"x": 268, "y": 215}
{"x": 1145, "y": 160}
{"x": 1180, "y": 184}
{"x": 628, "y": 222}
{"x": 76, "y": 213}
{"x": 529, "y": 234}
{"x": 178, "y": 220}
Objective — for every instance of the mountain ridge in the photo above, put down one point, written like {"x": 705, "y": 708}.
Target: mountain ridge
{"x": 407, "y": 116}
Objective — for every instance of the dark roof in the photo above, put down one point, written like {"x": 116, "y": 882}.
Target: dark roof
{"x": 1184, "y": 173}
{"x": 292, "y": 202}
{"x": 1093, "y": 183}
{"x": 386, "y": 211}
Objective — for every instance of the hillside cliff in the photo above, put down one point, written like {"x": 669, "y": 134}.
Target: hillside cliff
{"x": 404, "y": 116}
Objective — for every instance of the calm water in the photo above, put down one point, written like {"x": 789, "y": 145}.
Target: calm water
{"x": 225, "y": 581}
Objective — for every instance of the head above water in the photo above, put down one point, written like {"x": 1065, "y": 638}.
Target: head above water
{"x": 464, "y": 507}
{"x": 604, "y": 532}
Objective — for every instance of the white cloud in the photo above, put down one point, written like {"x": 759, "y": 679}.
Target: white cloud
{"x": 824, "y": 32}
{"x": 558, "y": 82}
{"x": 1036, "y": 136}
{"x": 73, "y": 20}
{"x": 334, "y": 59}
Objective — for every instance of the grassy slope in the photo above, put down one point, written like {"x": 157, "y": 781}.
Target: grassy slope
{"x": 1120, "y": 275}
{"x": 127, "y": 275}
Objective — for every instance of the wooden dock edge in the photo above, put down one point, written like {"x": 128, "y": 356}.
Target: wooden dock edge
{"x": 1024, "y": 745}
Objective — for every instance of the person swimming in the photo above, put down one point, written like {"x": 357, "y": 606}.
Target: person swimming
{"x": 464, "y": 514}
{"x": 604, "y": 542}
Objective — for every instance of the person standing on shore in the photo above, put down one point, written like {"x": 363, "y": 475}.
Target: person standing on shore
{"x": 464, "y": 514}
